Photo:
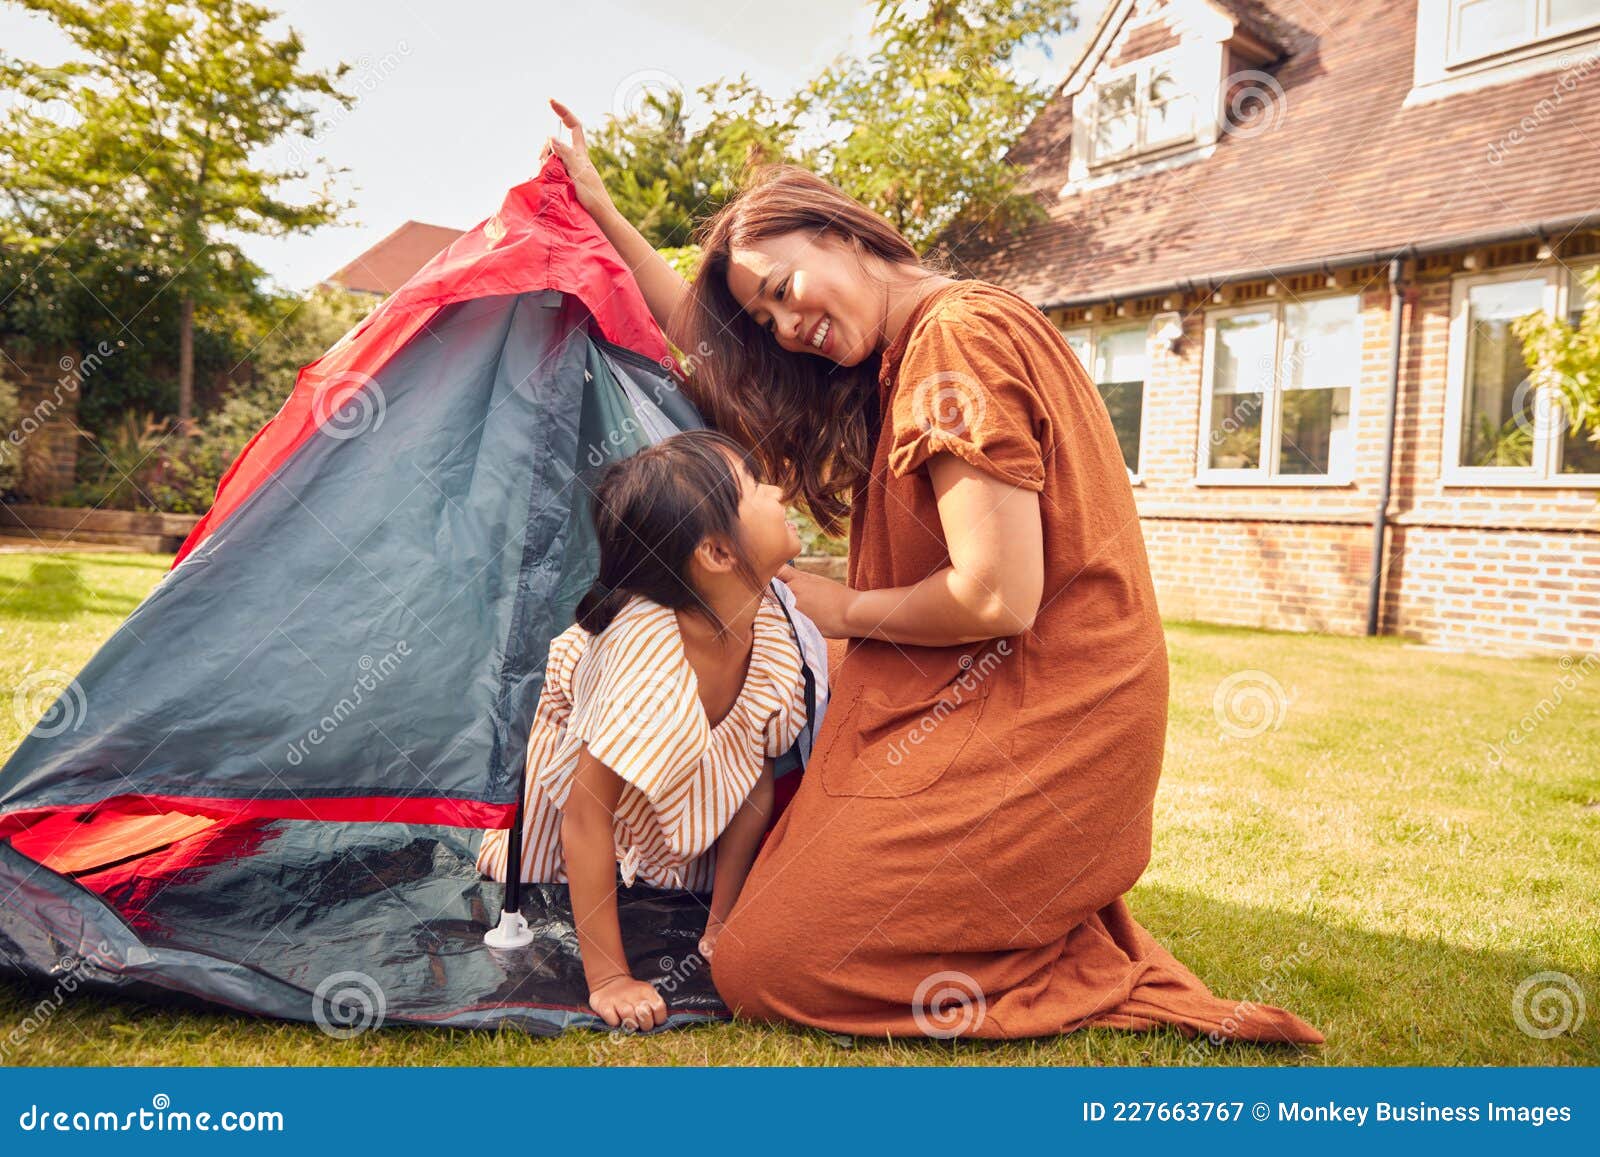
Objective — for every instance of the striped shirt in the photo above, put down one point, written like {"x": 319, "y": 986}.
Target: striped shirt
{"x": 630, "y": 695}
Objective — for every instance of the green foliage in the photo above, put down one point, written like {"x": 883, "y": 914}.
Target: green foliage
{"x": 124, "y": 465}
{"x": 920, "y": 127}
{"x": 664, "y": 176}
{"x": 917, "y": 129}
{"x": 129, "y": 169}
{"x": 142, "y": 463}
{"x": 1565, "y": 357}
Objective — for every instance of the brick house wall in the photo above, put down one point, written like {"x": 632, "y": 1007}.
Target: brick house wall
{"x": 46, "y": 435}
{"x": 1319, "y": 144}
{"x": 1502, "y": 569}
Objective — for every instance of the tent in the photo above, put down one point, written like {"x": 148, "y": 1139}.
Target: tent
{"x": 265, "y": 791}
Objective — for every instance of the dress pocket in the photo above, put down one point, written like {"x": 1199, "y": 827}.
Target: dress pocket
{"x": 888, "y": 749}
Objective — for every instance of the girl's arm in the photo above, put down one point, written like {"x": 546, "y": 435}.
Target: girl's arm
{"x": 589, "y": 847}
{"x": 736, "y": 851}
{"x": 991, "y": 589}
{"x": 663, "y": 289}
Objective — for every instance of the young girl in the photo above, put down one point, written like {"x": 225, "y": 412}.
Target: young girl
{"x": 664, "y": 706}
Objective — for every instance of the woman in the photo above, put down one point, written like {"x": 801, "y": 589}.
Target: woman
{"x": 979, "y": 798}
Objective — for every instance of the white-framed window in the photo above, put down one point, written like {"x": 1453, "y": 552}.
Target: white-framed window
{"x": 1118, "y": 360}
{"x": 1484, "y": 28}
{"x": 1280, "y": 385}
{"x": 1500, "y": 427}
{"x": 1144, "y": 106}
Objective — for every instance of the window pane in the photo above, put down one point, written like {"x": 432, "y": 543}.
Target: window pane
{"x": 1121, "y": 359}
{"x": 1117, "y": 118}
{"x": 1246, "y": 347}
{"x": 1169, "y": 109}
{"x": 1485, "y": 26}
{"x": 1078, "y": 342}
{"x": 1497, "y": 420}
{"x": 1578, "y": 454}
{"x": 1322, "y": 362}
{"x": 1563, "y": 15}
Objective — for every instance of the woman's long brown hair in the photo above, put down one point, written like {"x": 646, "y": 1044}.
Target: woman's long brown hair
{"x": 810, "y": 423}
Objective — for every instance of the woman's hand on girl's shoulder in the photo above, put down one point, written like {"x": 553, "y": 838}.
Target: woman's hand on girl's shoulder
{"x": 623, "y": 1002}
{"x": 823, "y": 601}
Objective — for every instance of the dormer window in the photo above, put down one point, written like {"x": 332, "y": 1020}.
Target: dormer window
{"x": 1483, "y": 28}
{"x": 1140, "y": 109}
{"x": 1150, "y": 90}
{"x": 1464, "y": 45}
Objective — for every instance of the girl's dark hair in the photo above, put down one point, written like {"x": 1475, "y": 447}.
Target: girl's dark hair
{"x": 651, "y": 510}
{"x": 810, "y": 423}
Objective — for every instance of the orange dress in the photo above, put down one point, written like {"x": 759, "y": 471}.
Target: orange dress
{"x": 955, "y": 858}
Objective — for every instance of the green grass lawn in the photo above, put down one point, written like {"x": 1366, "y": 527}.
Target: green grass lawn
{"x": 1368, "y": 863}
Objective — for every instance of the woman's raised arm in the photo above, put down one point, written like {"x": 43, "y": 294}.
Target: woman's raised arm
{"x": 661, "y": 284}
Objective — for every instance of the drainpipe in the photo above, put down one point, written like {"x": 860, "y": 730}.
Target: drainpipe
{"x": 1380, "y": 517}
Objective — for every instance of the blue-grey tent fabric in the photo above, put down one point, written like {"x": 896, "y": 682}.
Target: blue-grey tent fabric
{"x": 372, "y": 622}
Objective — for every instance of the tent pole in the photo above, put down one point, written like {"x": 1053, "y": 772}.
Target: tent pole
{"x": 513, "y": 930}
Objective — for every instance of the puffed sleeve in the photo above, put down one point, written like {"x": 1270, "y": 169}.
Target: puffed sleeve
{"x": 635, "y": 706}
{"x": 963, "y": 387}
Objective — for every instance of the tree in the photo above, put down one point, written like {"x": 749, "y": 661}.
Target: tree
{"x": 150, "y": 142}
{"x": 1565, "y": 357}
{"x": 920, "y": 127}
{"x": 665, "y": 176}
{"x": 917, "y": 129}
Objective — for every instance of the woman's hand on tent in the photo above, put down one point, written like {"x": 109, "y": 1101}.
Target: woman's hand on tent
{"x": 623, "y": 1002}
{"x": 592, "y": 193}
{"x": 825, "y": 602}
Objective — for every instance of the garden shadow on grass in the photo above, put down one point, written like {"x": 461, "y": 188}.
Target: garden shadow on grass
{"x": 55, "y": 590}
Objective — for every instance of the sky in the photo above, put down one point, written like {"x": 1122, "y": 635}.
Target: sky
{"x": 451, "y": 108}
